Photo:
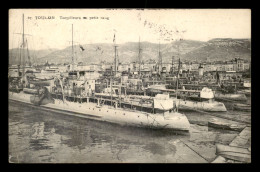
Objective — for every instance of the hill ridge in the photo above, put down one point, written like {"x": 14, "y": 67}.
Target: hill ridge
{"x": 212, "y": 50}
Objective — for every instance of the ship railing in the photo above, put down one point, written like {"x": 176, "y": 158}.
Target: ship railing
{"x": 133, "y": 104}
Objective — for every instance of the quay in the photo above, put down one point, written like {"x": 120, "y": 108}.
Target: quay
{"x": 243, "y": 140}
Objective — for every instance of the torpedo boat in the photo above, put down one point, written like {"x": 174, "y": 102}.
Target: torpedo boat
{"x": 159, "y": 119}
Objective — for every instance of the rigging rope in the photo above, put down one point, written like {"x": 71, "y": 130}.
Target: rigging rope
{"x": 194, "y": 150}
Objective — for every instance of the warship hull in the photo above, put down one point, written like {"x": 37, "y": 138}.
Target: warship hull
{"x": 171, "y": 121}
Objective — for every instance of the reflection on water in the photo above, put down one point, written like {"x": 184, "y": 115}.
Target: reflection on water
{"x": 39, "y": 137}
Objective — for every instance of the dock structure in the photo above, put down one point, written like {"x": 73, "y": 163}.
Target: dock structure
{"x": 243, "y": 140}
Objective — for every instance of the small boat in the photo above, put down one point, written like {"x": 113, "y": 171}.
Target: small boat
{"x": 15, "y": 90}
{"x": 247, "y": 92}
{"x": 41, "y": 82}
{"x": 242, "y": 107}
{"x": 42, "y": 97}
{"x": 205, "y": 102}
{"x": 234, "y": 153}
{"x": 30, "y": 90}
{"x": 207, "y": 106}
{"x": 230, "y": 97}
{"x": 36, "y": 100}
{"x": 247, "y": 83}
{"x": 225, "y": 126}
{"x": 155, "y": 89}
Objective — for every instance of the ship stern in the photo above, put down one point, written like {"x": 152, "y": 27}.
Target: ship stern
{"x": 177, "y": 122}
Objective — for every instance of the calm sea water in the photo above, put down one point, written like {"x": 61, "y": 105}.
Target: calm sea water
{"x": 41, "y": 137}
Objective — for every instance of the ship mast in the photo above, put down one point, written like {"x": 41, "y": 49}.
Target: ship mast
{"x": 29, "y": 58}
{"x": 22, "y": 52}
{"x": 115, "y": 65}
{"x": 23, "y": 60}
{"x": 177, "y": 82}
{"x": 115, "y": 59}
{"x": 178, "y": 67}
{"x": 72, "y": 51}
{"x": 139, "y": 57}
{"x": 178, "y": 73}
{"x": 172, "y": 65}
{"x": 20, "y": 61}
{"x": 160, "y": 59}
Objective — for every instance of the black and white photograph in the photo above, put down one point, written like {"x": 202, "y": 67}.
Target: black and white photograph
{"x": 129, "y": 86}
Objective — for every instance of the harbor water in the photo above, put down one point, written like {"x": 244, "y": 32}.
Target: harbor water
{"x": 37, "y": 136}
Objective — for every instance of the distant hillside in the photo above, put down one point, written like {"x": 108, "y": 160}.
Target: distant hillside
{"x": 127, "y": 52}
{"x": 213, "y": 50}
{"x": 221, "y": 50}
{"x": 14, "y": 55}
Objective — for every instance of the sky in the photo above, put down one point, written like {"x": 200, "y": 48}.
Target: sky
{"x": 163, "y": 25}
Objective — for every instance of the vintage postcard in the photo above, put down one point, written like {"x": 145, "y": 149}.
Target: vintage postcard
{"x": 129, "y": 86}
